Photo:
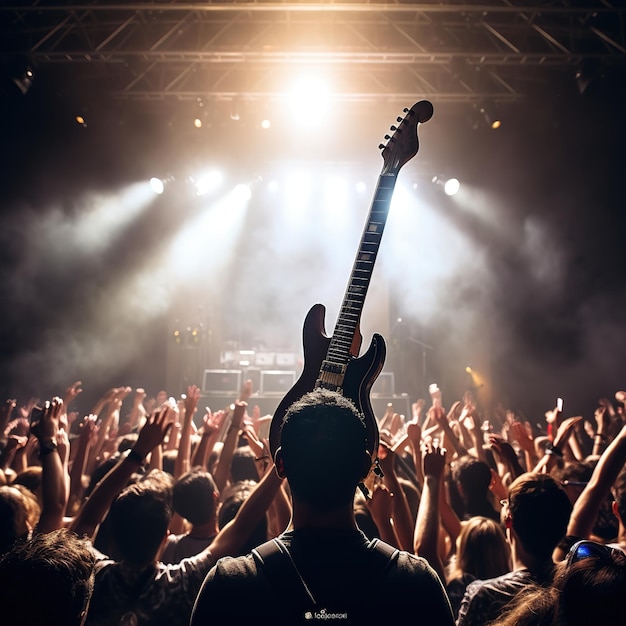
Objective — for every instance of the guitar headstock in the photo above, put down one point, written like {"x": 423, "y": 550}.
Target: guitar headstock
{"x": 403, "y": 145}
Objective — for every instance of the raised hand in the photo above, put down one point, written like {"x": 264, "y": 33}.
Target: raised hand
{"x": 47, "y": 426}
{"x": 520, "y": 434}
{"x": 417, "y": 408}
{"x": 6, "y": 411}
{"x": 246, "y": 391}
{"x": 380, "y": 504}
{"x": 88, "y": 429}
{"x": 505, "y": 451}
{"x": 565, "y": 430}
{"x": 191, "y": 400}
{"x": 155, "y": 430}
{"x": 603, "y": 419}
{"x": 435, "y": 395}
{"x": 414, "y": 433}
{"x": 72, "y": 392}
{"x": 434, "y": 459}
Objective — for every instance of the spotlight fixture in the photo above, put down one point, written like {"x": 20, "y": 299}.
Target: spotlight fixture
{"x": 486, "y": 114}
{"x": 24, "y": 80}
{"x": 491, "y": 115}
{"x": 157, "y": 185}
{"x": 450, "y": 186}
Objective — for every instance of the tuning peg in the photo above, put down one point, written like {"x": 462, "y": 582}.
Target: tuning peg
{"x": 393, "y": 128}
{"x": 398, "y": 119}
{"x": 381, "y": 146}
{"x": 387, "y": 137}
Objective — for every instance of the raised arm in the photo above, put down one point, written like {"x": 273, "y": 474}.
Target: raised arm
{"x": 138, "y": 411}
{"x": 549, "y": 459}
{"x": 183, "y": 459}
{"x": 597, "y": 489}
{"x": 210, "y": 430}
{"x": 77, "y": 471}
{"x": 95, "y": 508}
{"x": 506, "y": 454}
{"x": 426, "y": 538}
{"x": 230, "y": 443}
{"x": 444, "y": 421}
{"x": 6, "y": 410}
{"x": 54, "y": 490}
{"x": 400, "y": 511}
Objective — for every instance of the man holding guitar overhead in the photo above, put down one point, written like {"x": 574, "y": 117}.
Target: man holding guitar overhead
{"x": 324, "y": 441}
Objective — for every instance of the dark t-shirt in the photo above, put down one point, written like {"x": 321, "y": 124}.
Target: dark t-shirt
{"x": 344, "y": 577}
{"x": 160, "y": 595}
{"x": 484, "y": 599}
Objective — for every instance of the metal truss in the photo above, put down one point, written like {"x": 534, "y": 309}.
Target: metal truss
{"x": 455, "y": 52}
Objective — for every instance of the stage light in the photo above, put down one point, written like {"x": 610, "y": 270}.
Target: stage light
{"x": 451, "y": 186}
{"x": 310, "y": 100}
{"x": 207, "y": 182}
{"x": 197, "y": 122}
{"x": 491, "y": 116}
{"x": 242, "y": 192}
{"x": 81, "y": 120}
{"x": 24, "y": 81}
{"x": 468, "y": 369}
{"x": 265, "y": 124}
{"x": 157, "y": 185}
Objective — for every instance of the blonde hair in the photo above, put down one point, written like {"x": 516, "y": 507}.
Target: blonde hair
{"x": 481, "y": 550}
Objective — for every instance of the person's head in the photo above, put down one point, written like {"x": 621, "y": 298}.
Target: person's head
{"x": 242, "y": 466}
{"x": 538, "y": 512}
{"x": 573, "y": 477}
{"x": 473, "y": 477}
{"x": 194, "y": 496}
{"x": 482, "y": 549}
{"x": 234, "y": 496}
{"x": 323, "y": 449}
{"x": 592, "y": 586}
{"x": 139, "y": 517}
{"x": 46, "y": 580}
{"x": 14, "y": 522}
{"x": 29, "y": 478}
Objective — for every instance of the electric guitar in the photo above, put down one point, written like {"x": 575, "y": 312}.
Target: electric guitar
{"x": 334, "y": 362}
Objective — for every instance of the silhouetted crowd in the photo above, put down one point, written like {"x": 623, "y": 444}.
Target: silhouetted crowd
{"x": 148, "y": 511}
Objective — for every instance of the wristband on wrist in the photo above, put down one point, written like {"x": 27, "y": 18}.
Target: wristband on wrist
{"x": 600, "y": 437}
{"x": 46, "y": 447}
{"x": 552, "y": 449}
{"x": 133, "y": 455}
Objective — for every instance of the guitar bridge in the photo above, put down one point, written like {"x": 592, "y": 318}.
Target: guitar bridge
{"x": 331, "y": 376}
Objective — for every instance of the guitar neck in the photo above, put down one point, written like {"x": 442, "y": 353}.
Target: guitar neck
{"x": 346, "y": 328}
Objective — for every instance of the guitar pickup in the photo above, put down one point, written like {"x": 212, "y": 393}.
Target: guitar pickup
{"x": 331, "y": 375}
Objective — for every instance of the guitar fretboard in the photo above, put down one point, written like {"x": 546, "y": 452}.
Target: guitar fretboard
{"x": 339, "y": 351}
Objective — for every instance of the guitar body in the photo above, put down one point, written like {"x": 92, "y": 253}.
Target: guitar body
{"x": 361, "y": 373}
